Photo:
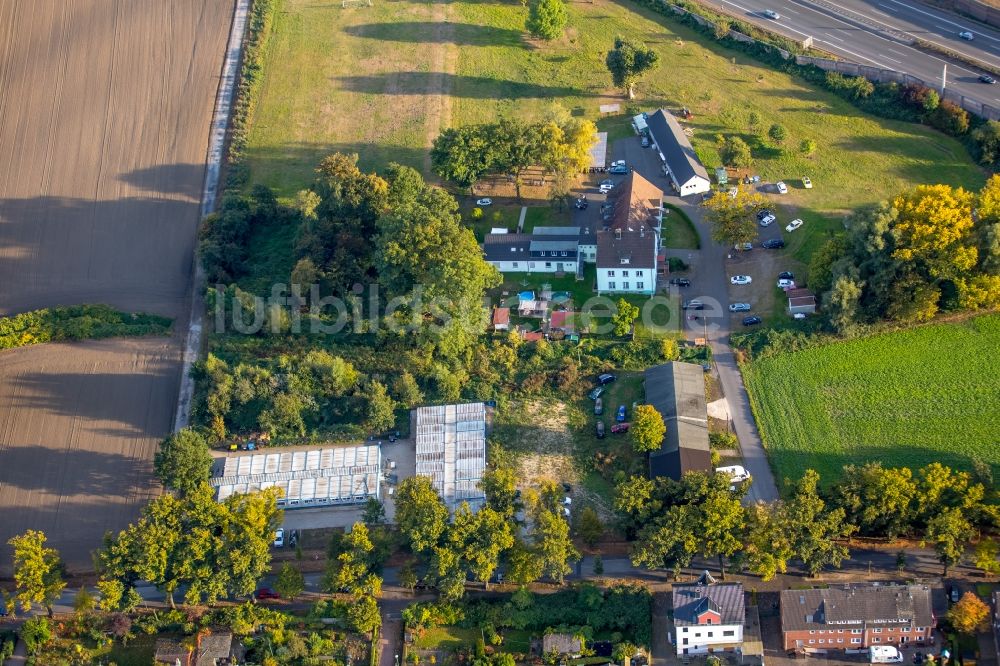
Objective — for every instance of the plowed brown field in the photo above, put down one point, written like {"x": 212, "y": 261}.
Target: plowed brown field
{"x": 105, "y": 108}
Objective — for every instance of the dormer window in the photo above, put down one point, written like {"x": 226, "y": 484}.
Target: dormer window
{"x": 624, "y": 260}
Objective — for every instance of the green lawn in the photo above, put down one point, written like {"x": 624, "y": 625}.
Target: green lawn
{"x": 678, "y": 230}
{"x": 383, "y": 80}
{"x": 446, "y": 638}
{"x": 906, "y": 398}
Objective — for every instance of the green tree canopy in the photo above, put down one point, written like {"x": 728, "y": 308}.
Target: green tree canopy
{"x": 648, "y": 429}
{"x": 625, "y": 315}
{"x": 736, "y": 153}
{"x": 733, "y": 219}
{"x": 628, "y": 62}
{"x": 949, "y": 531}
{"x": 547, "y": 19}
{"x": 421, "y": 514}
{"x": 183, "y": 461}
{"x": 38, "y": 571}
{"x": 290, "y": 582}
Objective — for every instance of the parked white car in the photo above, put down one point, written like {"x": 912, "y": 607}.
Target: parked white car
{"x": 767, "y": 220}
{"x": 966, "y": 35}
{"x": 806, "y": 183}
{"x": 279, "y": 538}
{"x": 740, "y": 279}
{"x": 737, "y": 473}
{"x": 484, "y": 202}
{"x": 782, "y": 188}
{"x": 786, "y": 284}
{"x": 793, "y": 225}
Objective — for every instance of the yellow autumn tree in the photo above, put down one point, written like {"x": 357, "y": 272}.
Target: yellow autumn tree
{"x": 934, "y": 231}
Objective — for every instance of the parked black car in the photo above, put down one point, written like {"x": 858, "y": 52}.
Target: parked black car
{"x": 581, "y": 203}
{"x": 761, "y": 214}
{"x": 786, "y": 275}
{"x": 606, "y": 378}
{"x": 751, "y": 321}
{"x": 773, "y": 244}
{"x": 681, "y": 282}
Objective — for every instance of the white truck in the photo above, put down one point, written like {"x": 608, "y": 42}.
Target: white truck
{"x": 884, "y": 654}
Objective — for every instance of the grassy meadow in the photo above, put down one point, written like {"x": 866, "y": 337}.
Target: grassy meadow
{"x": 904, "y": 398}
{"x": 382, "y": 81}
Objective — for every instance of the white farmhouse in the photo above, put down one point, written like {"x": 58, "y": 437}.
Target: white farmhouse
{"x": 628, "y": 248}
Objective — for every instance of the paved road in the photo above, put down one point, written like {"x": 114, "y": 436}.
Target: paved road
{"x": 852, "y": 30}
{"x": 711, "y": 287}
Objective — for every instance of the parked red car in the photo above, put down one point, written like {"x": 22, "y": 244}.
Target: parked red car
{"x": 266, "y": 593}
{"x": 619, "y": 428}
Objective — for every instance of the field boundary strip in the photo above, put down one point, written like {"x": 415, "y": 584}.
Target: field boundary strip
{"x": 213, "y": 167}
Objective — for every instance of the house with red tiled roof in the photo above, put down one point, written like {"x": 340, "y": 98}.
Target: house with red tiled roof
{"x": 501, "y": 319}
{"x": 628, "y": 246}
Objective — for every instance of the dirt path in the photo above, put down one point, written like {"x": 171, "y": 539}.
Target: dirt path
{"x": 104, "y": 119}
{"x": 443, "y": 61}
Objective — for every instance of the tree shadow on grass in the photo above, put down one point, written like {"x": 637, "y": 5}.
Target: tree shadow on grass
{"x": 430, "y": 32}
{"x": 439, "y": 83}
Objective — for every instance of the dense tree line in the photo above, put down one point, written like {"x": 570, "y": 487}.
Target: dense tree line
{"x": 560, "y": 144}
{"x": 931, "y": 249}
{"x": 671, "y": 521}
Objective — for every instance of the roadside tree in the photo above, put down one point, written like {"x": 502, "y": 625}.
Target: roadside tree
{"x": 815, "y": 531}
{"x": 421, "y": 515}
{"x": 949, "y": 531}
{"x": 553, "y": 545}
{"x": 986, "y": 553}
{"x": 38, "y": 571}
{"x": 183, "y": 461}
{"x": 969, "y": 615}
{"x": 290, "y": 582}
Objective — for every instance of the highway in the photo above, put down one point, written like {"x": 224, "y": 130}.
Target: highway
{"x": 874, "y": 32}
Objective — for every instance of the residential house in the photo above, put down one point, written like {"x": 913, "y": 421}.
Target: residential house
{"x": 628, "y": 246}
{"x": 209, "y": 650}
{"x": 563, "y": 645}
{"x": 680, "y": 162}
{"x": 501, "y": 319}
{"x": 853, "y": 617}
{"x": 801, "y": 301}
{"x": 533, "y": 308}
{"x": 544, "y": 250}
{"x": 677, "y": 391}
{"x": 708, "y": 616}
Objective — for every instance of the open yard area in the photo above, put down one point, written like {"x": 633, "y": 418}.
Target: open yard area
{"x": 103, "y": 139}
{"x": 907, "y": 398}
{"x": 384, "y": 80}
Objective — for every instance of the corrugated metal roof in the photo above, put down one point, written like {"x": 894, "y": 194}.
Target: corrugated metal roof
{"x": 451, "y": 450}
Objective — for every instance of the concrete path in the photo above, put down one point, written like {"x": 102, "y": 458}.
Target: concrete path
{"x": 520, "y": 220}
{"x": 20, "y": 656}
{"x": 712, "y": 288}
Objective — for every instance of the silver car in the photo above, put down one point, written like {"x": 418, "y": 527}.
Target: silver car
{"x": 739, "y": 307}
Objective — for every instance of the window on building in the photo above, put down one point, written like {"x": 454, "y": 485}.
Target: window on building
{"x": 563, "y": 253}
{"x": 855, "y": 631}
{"x": 920, "y": 629}
{"x": 855, "y": 640}
{"x": 905, "y": 630}
{"x": 812, "y": 640}
{"x": 711, "y": 634}
{"x": 515, "y": 264}
{"x": 611, "y": 285}
{"x": 639, "y": 285}
{"x": 877, "y": 639}
{"x": 626, "y": 289}
{"x": 684, "y": 630}
{"x": 811, "y": 632}
{"x": 624, "y": 260}
{"x": 728, "y": 633}
{"x": 877, "y": 631}
{"x": 822, "y": 640}
{"x": 904, "y": 639}
{"x": 840, "y": 631}
{"x": 548, "y": 264}
{"x": 698, "y": 635}
{"x": 611, "y": 273}
{"x": 624, "y": 273}
{"x": 708, "y": 620}
{"x": 840, "y": 640}
{"x": 685, "y": 643}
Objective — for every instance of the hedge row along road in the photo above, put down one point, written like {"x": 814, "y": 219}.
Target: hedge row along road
{"x": 103, "y": 137}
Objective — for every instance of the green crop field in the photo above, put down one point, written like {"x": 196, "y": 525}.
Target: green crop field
{"x": 906, "y": 399}
{"x": 383, "y": 81}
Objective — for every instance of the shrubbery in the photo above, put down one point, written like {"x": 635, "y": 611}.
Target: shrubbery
{"x": 79, "y": 322}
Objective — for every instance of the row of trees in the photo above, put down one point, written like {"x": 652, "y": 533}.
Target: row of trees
{"x": 933, "y": 248}
{"x": 477, "y": 542}
{"x": 560, "y": 145}
{"x": 673, "y": 521}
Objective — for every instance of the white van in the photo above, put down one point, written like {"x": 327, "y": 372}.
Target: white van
{"x": 885, "y": 654}
{"x": 737, "y": 473}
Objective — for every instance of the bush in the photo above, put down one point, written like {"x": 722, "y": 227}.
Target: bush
{"x": 676, "y": 264}
{"x": 36, "y": 632}
{"x": 722, "y": 440}
{"x": 949, "y": 118}
{"x": 79, "y": 322}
